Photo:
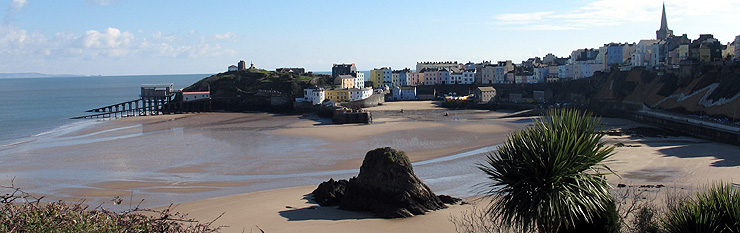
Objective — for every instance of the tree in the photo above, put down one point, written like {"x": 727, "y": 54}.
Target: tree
{"x": 550, "y": 176}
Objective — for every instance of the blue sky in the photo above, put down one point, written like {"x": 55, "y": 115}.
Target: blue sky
{"x": 132, "y": 37}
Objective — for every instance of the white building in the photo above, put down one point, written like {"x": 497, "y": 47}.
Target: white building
{"x": 403, "y": 93}
{"x": 193, "y": 96}
{"x": 359, "y": 80}
{"x": 565, "y": 71}
{"x": 233, "y": 68}
{"x": 356, "y": 94}
{"x": 588, "y": 69}
{"x": 456, "y": 76}
{"x": 487, "y": 74}
{"x": 642, "y": 54}
{"x": 314, "y": 95}
{"x": 468, "y": 76}
{"x": 395, "y": 78}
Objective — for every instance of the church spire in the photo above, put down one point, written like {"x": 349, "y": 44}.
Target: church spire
{"x": 663, "y": 20}
{"x": 663, "y": 32}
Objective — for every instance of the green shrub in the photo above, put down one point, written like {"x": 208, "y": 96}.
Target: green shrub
{"x": 606, "y": 221}
{"x": 645, "y": 219}
{"x": 716, "y": 209}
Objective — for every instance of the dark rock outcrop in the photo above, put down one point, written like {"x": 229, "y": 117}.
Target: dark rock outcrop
{"x": 386, "y": 186}
{"x": 330, "y": 192}
{"x": 447, "y": 199}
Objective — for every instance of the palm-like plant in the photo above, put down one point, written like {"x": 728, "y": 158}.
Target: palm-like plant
{"x": 716, "y": 209}
{"x": 549, "y": 176}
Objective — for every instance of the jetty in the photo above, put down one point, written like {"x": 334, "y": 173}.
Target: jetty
{"x": 155, "y": 99}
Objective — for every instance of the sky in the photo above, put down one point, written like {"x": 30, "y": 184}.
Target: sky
{"x": 145, "y": 37}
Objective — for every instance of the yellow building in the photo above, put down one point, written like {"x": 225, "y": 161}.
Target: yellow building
{"x": 421, "y": 78}
{"x": 376, "y": 76}
{"x": 345, "y": 81}
{"x": 683, "y": 52}
{"x": 338, "y": 95}
{"x": 705, "y": 54}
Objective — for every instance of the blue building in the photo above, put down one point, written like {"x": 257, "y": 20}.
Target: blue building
{"x": 614, "y": 54}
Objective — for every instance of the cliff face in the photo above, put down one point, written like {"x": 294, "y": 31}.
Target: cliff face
{"x": 710, "y": 90}
{"x": 702, "y": 90}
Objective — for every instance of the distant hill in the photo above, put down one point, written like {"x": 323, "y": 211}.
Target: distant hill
{"x": 35, "y": 75}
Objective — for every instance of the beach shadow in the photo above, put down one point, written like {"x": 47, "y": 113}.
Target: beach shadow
{"x": 719, "y": 152}
{"x": 676, "y": 144}
{"x": 523, "y": 120}
{"x": 317, "y": 212}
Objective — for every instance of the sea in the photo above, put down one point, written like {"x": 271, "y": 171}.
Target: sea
{"x": 32, "y": 107}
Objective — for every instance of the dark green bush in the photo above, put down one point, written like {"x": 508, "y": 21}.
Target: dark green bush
{"x": 716, "y": 209}
{"x": 21, "y": 212}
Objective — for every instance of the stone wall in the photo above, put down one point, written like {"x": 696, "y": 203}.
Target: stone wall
{"x": 372, "y": 101}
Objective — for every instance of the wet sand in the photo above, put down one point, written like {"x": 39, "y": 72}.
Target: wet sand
{"x": 179, "y": 158}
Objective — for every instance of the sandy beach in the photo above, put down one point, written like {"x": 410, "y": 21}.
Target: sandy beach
{"x": 678, "y": 163}
{"x": 179, "y": 158}
{"x": 258, "y": 168}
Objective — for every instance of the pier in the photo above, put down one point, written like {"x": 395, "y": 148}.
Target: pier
{"x": 156, "y": 99}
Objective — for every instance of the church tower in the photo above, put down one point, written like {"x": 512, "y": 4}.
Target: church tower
{"x": 663, "y": 33}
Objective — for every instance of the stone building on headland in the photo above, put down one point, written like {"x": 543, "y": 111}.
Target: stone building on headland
{"x": 242, "y": 65}
{"x": 342, "y": 69}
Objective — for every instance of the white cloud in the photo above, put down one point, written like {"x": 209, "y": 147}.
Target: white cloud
{"x": 615, "y": 12}
{"x": 18, "y": 4}
{"x": 522, "y": 18}
{"x": 229, "y": 36}
{"x": 18, "y": 44}
{"x": 14, "y": 40}
{"x": 541, "y": 27}
{"x": 110, "y": 38}
{"x": 102, "y": 2}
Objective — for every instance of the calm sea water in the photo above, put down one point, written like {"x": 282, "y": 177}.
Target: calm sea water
{"x": 35, "y": 106}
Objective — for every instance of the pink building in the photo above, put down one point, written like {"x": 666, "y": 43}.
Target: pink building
{"x": 430, "y": 77}
{"x": 443, "y": 76}
{"x": 193, "y": 96}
